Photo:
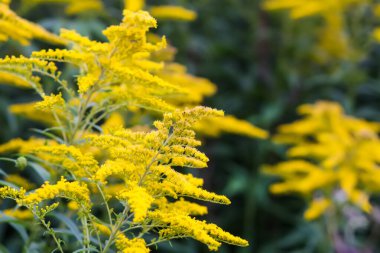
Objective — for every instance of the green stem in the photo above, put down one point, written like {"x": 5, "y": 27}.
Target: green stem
{"x": 105, "y": 203}
{"x": 86, "y": 234}
{"x": 51, "y": 232}
{"x": 115, "y": 230}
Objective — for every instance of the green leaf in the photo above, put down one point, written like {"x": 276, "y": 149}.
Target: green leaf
{"x": 69, "y": 223}
{"x": 2, "y": 172}
{"x": 86, "y": 250}
{"x": 2, "y": 182}
{"x": 21, "y": 231}
{"x": 41, "y": 171}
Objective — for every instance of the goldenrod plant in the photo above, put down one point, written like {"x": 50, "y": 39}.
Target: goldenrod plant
{"x": 113, "y": 183}
{"x": 333, "y": 161}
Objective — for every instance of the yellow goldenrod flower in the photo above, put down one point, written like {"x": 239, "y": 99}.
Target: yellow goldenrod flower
{"x": 19, "y": 181}
{"x": 329, "y": 150}
{"x": 22, "y": 146}
{"x": 50, "y": 103}
{"x": 28, "y": 110}
{"x": 230, "y": 124}
{"x": 70, "y": 157}
{"x": 134, "y": 5}
{"x": 73, "y": 205}
{"x": 135, "y": 245}
{"x": 12, "y": 193}
{"x": 19, "y": 214}
{"x": 181, "y": 207}
{"x": 376, "y": 10}
{"x": 113, "y": 168}
{"x": 13, "y": 80}
{"x": 173, "y": 12}
{"x": 103, "y": 229}
{"x": 25, "y": 31}
{"x": 72, "y": 7}
{"x": 103, "y": 161}
{"x": 316, "y": 208}
{"x": 113, "y": 122}
{"x": 185, "y": 226}
{"x": 76, "y": 7}
{"x": 24, "y": 68}
{"x": 376, "y": 34}
{"x": 71, "y": 190}
{"x": 138, "y": 199}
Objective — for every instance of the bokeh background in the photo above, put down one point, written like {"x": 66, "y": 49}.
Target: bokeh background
{"x": 264, "y": 67}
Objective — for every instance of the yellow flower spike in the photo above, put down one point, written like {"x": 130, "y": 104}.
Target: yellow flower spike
{"x": 135, "y": 166}
{"x": 376, "y": 10}
{"x": 61, "y": 55}
{"x": 333, "y": 151}
{"x": 185, "y": 226}
{"x": 173, "y": 12}
{"x": 20, "y": 181}
{"x": 19, "y": 214}
{"x": 14, "y": 80}
{"x": 230, "y": 124}
{"x": 50, "y": 103}
{"x": 73, "y": 205}
{"x": 72, "y": 7}
{"x": 181, "y": 206}
{"x": 77, "y": 7}
{"x": 134, "y": 5}
{"x": 138, "y": 200}
{"x": 376, "y": 34}
{"x": 71, "y": 190}
{"x": 117, "y": 167}
{"x": 28, "y": 110}
{"x": 177, "y": 183}
{"x": 135, "y": 245}
{"x": 317, "y": 208}
{"x": 103, "y": 229}
{"x": 87, "y": 81}
{"x": 361, "y": 199}
{"x": 70, "y": 157}
{"x": 24, "y": 68}
{"x": 12, "y": 193}
{"x": 113, "y": 122}
{"x": 26, "y": 31}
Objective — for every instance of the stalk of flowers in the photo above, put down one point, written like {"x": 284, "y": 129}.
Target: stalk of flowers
{"x": 72, "y": 7}
{"x": 331, "y": 155}
{"x": 25, "y": 32}
{"x": 121, "y": 183}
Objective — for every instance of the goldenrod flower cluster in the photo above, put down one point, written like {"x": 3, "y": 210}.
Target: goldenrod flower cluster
{"x": 96, "y": 161}
{"x": 330, "y": 154}
{"x": 163, "y": 11}
{"x": 25, "y": 31}
{"x": 72, "y": 7}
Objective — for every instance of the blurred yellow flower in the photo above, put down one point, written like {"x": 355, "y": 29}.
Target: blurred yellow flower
{"x": 329, "y": 151}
